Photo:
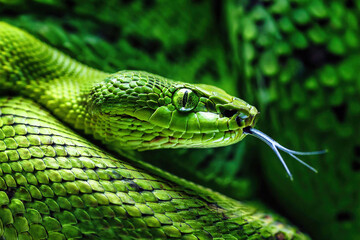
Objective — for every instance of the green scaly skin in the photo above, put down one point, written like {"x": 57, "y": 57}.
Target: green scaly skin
{"x": 56, "y": 185}
{"x": 297, "y": 61}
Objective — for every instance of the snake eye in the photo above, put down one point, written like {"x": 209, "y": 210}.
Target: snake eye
{"x": 185, "y": 100}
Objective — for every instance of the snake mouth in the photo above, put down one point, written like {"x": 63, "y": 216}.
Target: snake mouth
{"x": 133, "y": 133}
{"x": 195, "y": 140}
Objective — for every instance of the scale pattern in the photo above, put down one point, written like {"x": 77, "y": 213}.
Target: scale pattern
{"x": 56, "y": 185}
{"x": 297, "y": 59}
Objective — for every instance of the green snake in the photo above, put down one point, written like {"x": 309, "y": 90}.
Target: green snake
{"x": 56, "y": 185}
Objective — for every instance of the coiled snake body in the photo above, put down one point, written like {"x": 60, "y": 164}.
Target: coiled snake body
{"x": 55, "y": 184}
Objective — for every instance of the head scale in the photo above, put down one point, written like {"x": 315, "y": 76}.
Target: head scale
{"x": 139, "y": 110}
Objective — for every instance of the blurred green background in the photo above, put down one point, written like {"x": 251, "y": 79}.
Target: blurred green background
{"x": 298, "y": 61}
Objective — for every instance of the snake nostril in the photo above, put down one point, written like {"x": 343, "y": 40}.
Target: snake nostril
{"x": 242, "y": 119}
{"x": 239, "y": 121}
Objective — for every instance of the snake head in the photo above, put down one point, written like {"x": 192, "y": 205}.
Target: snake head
{"x": 139, "y": 110}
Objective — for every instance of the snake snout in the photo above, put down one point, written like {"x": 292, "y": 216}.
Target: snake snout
{"x": 244, "y": 117}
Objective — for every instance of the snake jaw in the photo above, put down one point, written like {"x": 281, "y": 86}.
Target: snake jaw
{"x": 209, "y": 140}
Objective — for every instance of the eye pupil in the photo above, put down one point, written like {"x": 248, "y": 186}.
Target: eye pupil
{"x": 185, "y": 99}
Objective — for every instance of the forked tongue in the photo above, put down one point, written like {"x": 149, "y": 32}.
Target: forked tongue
{"x": 275, "y": 146}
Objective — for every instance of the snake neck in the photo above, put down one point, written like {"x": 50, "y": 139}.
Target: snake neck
{"x": 25, "y": 60}
{"x": 31, "y": 68}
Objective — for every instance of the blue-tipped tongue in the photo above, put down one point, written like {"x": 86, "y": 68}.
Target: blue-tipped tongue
{"x": 275, "y": 146}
